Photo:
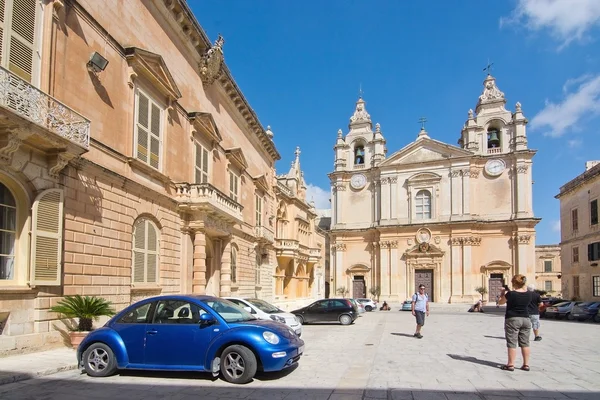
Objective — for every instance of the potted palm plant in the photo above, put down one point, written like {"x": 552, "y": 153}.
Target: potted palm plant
{"x": 86, "y": 309}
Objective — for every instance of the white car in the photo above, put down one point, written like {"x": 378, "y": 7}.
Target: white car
{"x": 263, "y": 310}
{"x": 369, "y": 304}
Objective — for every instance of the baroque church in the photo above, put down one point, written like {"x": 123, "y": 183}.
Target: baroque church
{"x": 455, "y": 218}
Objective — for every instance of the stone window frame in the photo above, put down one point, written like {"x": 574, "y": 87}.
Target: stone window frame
{"x": 145, "y": 282}
{"x": 429, "y": 182}
{"x": 162, "y": 106}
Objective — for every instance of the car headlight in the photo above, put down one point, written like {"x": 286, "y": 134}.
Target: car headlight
{"x": 270, "y": 337}
{"x": 278, "y": 318}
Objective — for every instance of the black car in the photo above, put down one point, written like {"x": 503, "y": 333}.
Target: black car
{"x": 328, "y": 310}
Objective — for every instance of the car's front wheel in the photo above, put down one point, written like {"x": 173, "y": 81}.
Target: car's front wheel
{"x": 99, "y": 360}
{"x": 368, "y": 308}
{"x": 238, "y": 364}
{"x": 345, "y": 319}
{"x": 300, "y": 319}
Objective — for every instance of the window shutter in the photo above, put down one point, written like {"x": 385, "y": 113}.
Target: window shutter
{"x": 155, "y": 118}
{"x": 2, "y": 29}
{"x": 46, "y": 244}
{"x": 142, "y": 127}
{"x": 139, "y": 251}
{"x": 199, "y": 161}
{"x": 152, "y": 254}
{"x": 204, "y": 165}
{"x": 590, "y": 252}
{"x": 22, "y": 37}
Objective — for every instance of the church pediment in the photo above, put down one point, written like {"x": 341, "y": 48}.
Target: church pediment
{"x": 152, "y": 67}
{"x": 424, "y": 250}
{"x": 204, "y": 123}
{"x": 425, "y": 150}
{"x": 261, "y": 182}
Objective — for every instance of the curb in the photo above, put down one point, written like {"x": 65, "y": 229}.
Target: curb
{"x": 23, "y": 376}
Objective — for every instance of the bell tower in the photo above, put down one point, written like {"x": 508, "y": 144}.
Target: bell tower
{"x": 491, "y": 129}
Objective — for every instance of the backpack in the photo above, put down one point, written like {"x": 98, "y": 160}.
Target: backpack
{"x": 417, "y": 296}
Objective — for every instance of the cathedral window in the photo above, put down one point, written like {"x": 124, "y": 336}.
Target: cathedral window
{"x": 423, "y": 205}
{"x": 359, "y": 155}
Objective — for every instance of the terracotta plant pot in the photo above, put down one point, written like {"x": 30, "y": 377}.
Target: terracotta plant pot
{"x": 76, "y": 338}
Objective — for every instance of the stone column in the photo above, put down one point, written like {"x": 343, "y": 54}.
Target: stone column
{"x": 376, "y": 201}
{"x": 394, "y": 277}
{"x": 466, "y": 189}
{"x": 523, "y": 190}
{"x": 393, "y": 198}
{"x": 334, "y": 208}
{"x": 523, "y": 248}
{"x": 385, "y": 198}
{"x": 339, "y": 268}
{"x": 384, "y": 251}
{"x": 472, "y": 279}
{"x": 456, "y": 195}
{"x": 226, "y": 269}
{"x": 457, "y": 289}
{"x": 199, "y": 265}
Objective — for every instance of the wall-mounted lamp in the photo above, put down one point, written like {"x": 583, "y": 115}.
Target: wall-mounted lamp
{"x": 97, "y": 63}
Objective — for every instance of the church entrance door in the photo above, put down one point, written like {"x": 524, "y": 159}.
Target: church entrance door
{"x": 495, "y": 286}
{"x": 359, "y": 287}
{"x": 424, "y": 277}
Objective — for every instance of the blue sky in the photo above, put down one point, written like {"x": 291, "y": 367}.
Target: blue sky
{"x": 300, "y": 65}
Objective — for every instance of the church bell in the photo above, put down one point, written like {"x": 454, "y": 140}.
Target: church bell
{"x": 493, "y": 140}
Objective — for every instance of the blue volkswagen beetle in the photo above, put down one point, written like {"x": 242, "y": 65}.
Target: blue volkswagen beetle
{"x": 189, "y": 333}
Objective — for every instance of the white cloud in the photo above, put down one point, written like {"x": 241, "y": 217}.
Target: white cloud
{"x": 574, "y": 143}
{"x": 556, "y": 226}
{"x": 318, "y": 195}
{"x": 560, "y": 117}
{"x": 567, "y": 20}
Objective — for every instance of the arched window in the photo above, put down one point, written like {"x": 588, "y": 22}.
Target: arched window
{"x": 493, "y": 138}
{"x": 423, "y": 205}
{"x": 145, "y": 251}
{"x": 233, "y": 264}
{"x": 359, "y": 155}
{"x": 8, "y": 233}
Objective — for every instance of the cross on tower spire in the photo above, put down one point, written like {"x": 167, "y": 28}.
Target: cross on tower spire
{"x": 488, "y": 67}
{"x": 360, "y": 91}
{"x": 422, "y": 121}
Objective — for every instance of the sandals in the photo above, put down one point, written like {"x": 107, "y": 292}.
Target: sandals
{"x": 508, "y": 367}
{"x": 525, "y": 367}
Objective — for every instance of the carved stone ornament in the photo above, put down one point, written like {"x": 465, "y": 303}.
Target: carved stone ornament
{"x": 60, "y": 162}
{"x": 360, "y": 114}
{"x": 212, "y": 61}
{"x": 521, "y": 169}
{"x": 409, "y": 242}
{"x": 423, "y": 235}
{"x": 6, "y": 153}
{"x": 437, "y": 240}
{"x": 455, "y": 174}
{"x": 518, "y": 107}
{"x": 424, "y": 247}
{"x": 523, "y": 239}
{"x": 490, "y": 90}
{"x": 466, "y": 240}
{"x": 388, "y": 244}
{"x": 394, "y": 179}
{"x": 339, "y": 246}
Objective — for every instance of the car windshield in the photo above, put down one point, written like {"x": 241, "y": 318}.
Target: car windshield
{"x": 565, "y": 303}
{"x": 264, "y": 306}
{"x": 229, "y": 311}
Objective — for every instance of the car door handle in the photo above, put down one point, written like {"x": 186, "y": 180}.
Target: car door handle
{"x": 152, "y": 332}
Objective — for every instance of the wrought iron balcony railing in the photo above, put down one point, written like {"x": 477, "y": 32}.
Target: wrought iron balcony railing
{"x": 30, "y": 103}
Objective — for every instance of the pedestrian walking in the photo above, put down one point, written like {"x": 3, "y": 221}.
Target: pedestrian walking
{"x": 534, "y": 312}
{"x": 420, "y": 308}
{"x": 517, "y": 325}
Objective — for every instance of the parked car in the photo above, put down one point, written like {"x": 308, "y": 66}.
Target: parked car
{"x": 195, "y": 333}
{"x": 406, "y": 305}
{"x": 585, "y": 311}
{"x": 370, "y": 305}
{"x": 263, "y": 310}
{"x": 361, "y": 308}
{"x": 547, "y": 302}
{"x": 328, "y": 310}
{"x": 560, "y": 310}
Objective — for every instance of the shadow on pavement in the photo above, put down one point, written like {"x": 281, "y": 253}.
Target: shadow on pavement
{"x": 475, "y": 360}
{"x": 154, "y": 387}
{"x": 494, "y": 337}
{"x": 412, "y": 336}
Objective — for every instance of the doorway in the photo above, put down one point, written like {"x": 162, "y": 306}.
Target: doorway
{"x": 425, "y": 277}
{"x": 359, "y": 288}
{"x": 495, "y": 284}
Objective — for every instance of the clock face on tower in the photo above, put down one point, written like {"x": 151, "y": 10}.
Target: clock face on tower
{"x": 495, "y": 167}
{"x": 358, "y": 181}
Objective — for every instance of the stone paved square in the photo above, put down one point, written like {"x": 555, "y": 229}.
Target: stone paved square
{"x": 376, "y": 358}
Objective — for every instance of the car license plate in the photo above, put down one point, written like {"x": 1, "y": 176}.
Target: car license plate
{"x": 301, "y": 350}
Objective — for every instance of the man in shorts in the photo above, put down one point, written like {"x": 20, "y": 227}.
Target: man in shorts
{"x": 534, "y": 312}
{"x": 420, "y": 308}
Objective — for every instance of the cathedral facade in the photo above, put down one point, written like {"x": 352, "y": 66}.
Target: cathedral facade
{"x": 455, "y": 218}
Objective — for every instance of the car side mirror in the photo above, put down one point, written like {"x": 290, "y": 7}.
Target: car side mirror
{"x": 207, "y": 319}
{"x": 249, "y": 309}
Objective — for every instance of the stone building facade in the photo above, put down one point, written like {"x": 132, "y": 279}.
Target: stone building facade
{"x": 148, "y": 175}
{"x": 548, "y": 269}
{"x": 299, "y": 244}
{"x": 580, "y": 235}
{"x": 452, "y": 218}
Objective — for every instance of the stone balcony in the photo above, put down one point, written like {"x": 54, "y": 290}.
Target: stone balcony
{"x": 314, "y": 254}
{"x": 206, "y": 198}
{"x": 264, "y": 235}
{"x": 28, "y": 115}
{"x": 287, "y": 247}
